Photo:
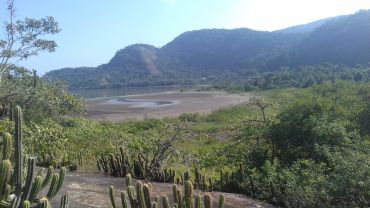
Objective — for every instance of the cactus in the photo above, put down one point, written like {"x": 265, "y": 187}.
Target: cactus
{"x": 141, "y": 198}
{"x": 7, "y": 146}
{"x": 112, "y": 197}
{"x": 18, "y": 151}
{"x": 221, "y": 201}
{"x": 128, "y": 179}
{"x": 140, "y": 194}
{"x": 26, "y": 204}
{"x": 123, "y": 200}
{"x": 174, "y": 193}
{"x": 207, "y": 201}
{"x": 188, "y": 198}
{"x": 180, "y": 200}
{"x": 44, "y": 203}
{"x": 165, "y": 202}
{"x": 64, "y": 203}
{"x": 5, "y": 173}
{"x": 17, "y": 179}
{"x": 146, "y": 190}
{"x": 198, "y": 201}
{"x": 132, "y": 196}
{"x": 27, "y": 187}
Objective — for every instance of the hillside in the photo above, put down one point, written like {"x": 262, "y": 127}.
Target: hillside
{"x": 213, "y": 55}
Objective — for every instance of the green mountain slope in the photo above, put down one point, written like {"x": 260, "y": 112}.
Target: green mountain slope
{"x": 209, "y": 55}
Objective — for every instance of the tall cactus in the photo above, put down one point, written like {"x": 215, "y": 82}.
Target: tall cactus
{"x": 18, "y": 151}
{"x": 16, "y": 178}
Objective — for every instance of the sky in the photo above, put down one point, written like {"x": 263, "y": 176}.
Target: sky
{"x": 93, "y": 30}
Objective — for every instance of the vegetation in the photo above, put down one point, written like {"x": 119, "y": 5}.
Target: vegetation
{"x": 309, "y": 154}
{"x": 24, "y": 38}
{"x": 239, "y": 58}
{"x": 289, "y": 146}
{"x": 306, "y": 149}
{"x": 143, "y": 197}
{"x": 298, "y": 148}
{"x": 18, "y": 186}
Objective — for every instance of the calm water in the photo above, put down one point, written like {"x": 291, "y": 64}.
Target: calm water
{"x": 95, "y": 93}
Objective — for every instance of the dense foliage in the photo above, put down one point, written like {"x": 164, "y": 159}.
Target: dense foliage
{"x": 298, "y": 148}
{"x": 39, "y": 99}
{"x": 301, "y": 77}
{"x": 311, "y": 154}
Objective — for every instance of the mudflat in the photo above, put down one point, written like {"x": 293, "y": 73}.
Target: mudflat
{"x": 159, "y": 105}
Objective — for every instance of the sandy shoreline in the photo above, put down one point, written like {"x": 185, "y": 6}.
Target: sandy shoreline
{"x": 159, "y": 105}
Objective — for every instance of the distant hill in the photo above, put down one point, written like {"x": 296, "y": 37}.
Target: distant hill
{"x": 213, "y": 55}
{"x": 306, "y": 28}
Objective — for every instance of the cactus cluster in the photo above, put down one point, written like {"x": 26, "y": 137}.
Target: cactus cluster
{"x": 141, "y": 197}
{"x": 18, "y": 186}
{"x": 232, "y": 182}
{"x": 71, "y": 162}
{"x": 201, "y": 182}
{"x": 119, "y": 165}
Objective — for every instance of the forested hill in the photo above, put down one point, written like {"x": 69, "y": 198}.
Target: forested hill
{"x": 209, "y": 55}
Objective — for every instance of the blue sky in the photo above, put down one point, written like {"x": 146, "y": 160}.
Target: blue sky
{"x": 93, "y": 30}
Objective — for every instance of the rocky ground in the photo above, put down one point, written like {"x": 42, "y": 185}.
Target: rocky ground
{"x": 91, "y": 190}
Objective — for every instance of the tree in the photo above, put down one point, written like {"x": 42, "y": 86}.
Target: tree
{"x": 24, "y": 38}
{"x": 19, "y": 86}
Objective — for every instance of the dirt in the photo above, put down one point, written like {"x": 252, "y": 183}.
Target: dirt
{"x": 144, "y": 106}
{"x": 91, "y": 190}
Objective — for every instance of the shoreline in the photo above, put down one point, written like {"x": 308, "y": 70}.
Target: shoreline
{"x": 145, "y": 106}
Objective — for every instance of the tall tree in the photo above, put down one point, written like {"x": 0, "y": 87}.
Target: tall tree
{"x": 24, "y": 38}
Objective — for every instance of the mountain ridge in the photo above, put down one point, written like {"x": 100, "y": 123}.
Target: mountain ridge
{"x": 194, "y": 57}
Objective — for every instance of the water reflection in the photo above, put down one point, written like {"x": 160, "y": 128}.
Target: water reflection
{"x": 95, "y": 93}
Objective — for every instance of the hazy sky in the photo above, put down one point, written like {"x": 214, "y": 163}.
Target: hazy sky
{"x": 93, "y": 30}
